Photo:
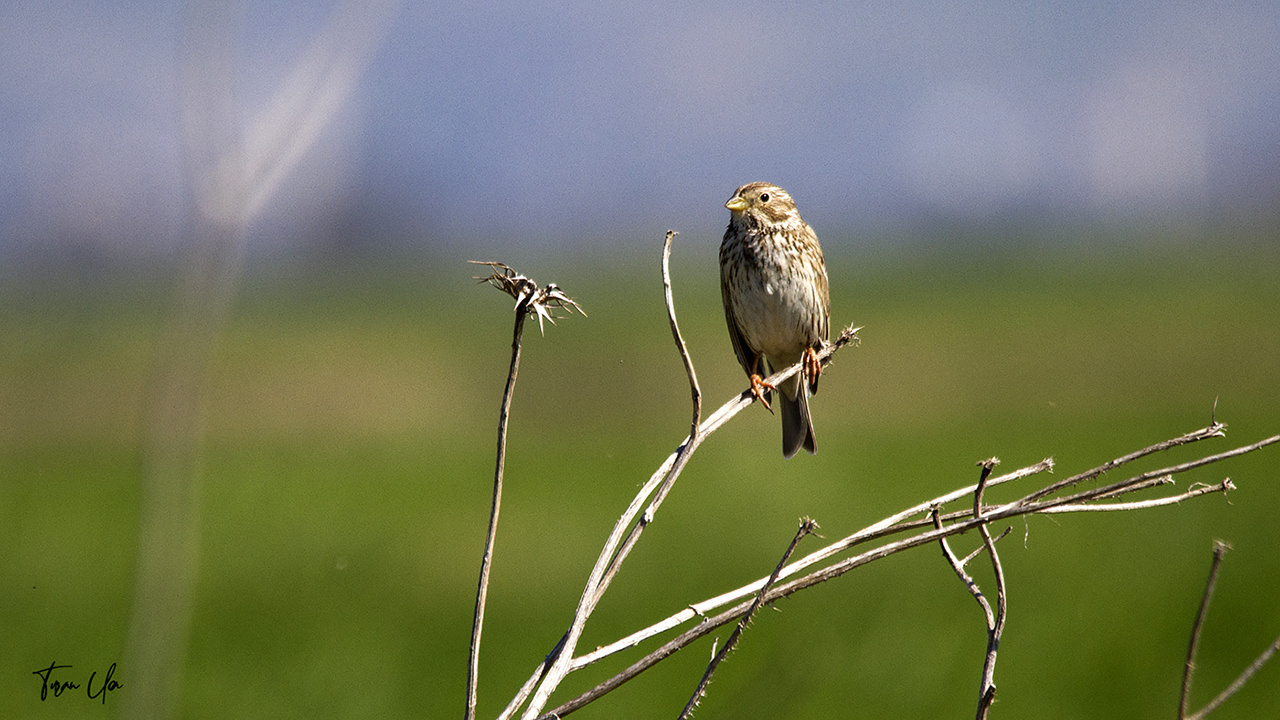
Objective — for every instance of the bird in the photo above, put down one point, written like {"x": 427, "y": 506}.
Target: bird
{"x": 773, "y": 280}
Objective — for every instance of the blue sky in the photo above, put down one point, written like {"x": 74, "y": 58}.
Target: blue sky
{"x": 600, "y": 121}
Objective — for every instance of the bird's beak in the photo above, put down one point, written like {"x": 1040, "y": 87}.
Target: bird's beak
{"x": 737, "y": 203}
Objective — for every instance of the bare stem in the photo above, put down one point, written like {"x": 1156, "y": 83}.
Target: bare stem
{"x": 995, "y": 618}
{"x": 473, "y": 664}
{"x": 547, "y": 677}
{"x": 690, "y": 444}
{"x": 694, "y": 390}
{"x": 1215, "y": 429}
{"x": 892, "y": 525}
{"x": 616, "y": 549}
{"x": 1197, "y": 491}
{"x": 981, "y": 548}
{"x": 994, "y": 630}
{"x": 807, "y": 526}
{"x": 1239, "y": 682}
{"x": 681, "y": 456}
{"x": 530, "y": 300}
{"x": 957, "y": 566}
{"x": 1219, "y": 551}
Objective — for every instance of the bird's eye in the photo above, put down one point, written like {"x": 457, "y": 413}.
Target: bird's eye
{"x": 764, "y": 197}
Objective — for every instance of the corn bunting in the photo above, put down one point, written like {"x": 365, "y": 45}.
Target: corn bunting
{"x": 774, "y": 284}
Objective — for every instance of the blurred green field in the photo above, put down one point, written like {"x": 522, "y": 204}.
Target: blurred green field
{"x": 348, "y": 465}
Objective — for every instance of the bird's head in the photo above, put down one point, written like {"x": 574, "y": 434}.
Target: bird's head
{"x": 763, "y": 203}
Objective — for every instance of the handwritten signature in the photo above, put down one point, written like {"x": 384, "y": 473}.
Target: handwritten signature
{"x": 50, "y": 686}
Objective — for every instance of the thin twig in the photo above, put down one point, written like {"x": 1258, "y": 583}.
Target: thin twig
{"x": 1153, "y": 482}
{"x": 807, "y": 526}
{"x": 713, "y": 422}
{"x": 1215, "y": 429}
{"x": 704, "y": 628}
{"x": 523, "y": 693}
{"x": 996, "y": 629}
{"x": 530, "y": 299}
{"x": 615, "y": 545}
{"x": 694, "y": 390}
{"x": 987, "y": 690}
{"x": 482, "y": 592}
{"x": 979, "y": 550}
{"x": 1239, "y": 682}
{"x": 559, "y": 662}
{"x": 1000, "y": 512}
{"x": 1219, "y": 551}
{"x": 611, "y": 544}
{"x": 1138, "y": 481}
{"x": 1221, "y": 487}
{"x": 957, "y": 566}
{"x": 613, "y": 554}
{"x": 684, "y": 451}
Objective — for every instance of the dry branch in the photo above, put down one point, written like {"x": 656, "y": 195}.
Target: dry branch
{"x": 995, "y": 618}
{"x": 530, "y": 299}
{"x": 807, "y": 526}
{"x": 557, "y": 665}
{"x": 994, "y": 629}
{"x": 963, "y": 521}
{"x": 1219, "y": 552}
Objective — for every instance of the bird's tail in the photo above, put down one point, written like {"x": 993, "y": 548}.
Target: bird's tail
{"x": 797, "y": 425}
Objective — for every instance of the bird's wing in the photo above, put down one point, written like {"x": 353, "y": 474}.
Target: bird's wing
{"x": 823, "y": 292}
{"x": 824, "y": 296}
{"x": 747, "y": 357}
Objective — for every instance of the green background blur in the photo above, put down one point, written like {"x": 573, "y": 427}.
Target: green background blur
{"x": 348, "y": 465}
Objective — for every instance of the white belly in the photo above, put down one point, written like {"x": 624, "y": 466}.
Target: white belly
{"x": 773, "y": 318}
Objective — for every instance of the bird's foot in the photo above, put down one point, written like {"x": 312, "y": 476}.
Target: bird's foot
{"x": 760, "y": 389}
{"x": 812, "y": 368}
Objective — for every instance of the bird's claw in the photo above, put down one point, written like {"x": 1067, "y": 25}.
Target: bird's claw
{"x": 812, "y": 369}
{"x": 760, "y": 389}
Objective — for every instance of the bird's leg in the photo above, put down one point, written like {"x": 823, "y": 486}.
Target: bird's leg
{"x": 760, "y": 389}
{"x": 812, "y": 368}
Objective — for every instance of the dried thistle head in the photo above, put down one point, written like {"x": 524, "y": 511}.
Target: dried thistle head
{"x": 540, "y": 301}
